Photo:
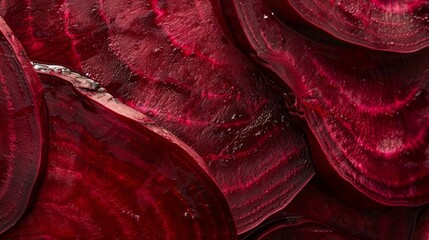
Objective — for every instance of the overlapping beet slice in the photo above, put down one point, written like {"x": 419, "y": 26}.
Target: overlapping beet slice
{"x": 171, "y": 61}
{"x": 397, "y": 26}
{"x": 112, "y": 174}
{"x": 297, "y": 229}
{"x": 22, "y": 123}
{"x": 368, "y": 110}
{"x": 316, "y": 206}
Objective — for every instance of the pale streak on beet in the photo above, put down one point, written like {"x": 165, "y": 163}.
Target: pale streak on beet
{"x": 369, "y": 110}
{"x": 22, "y": 123}
{"x": 396, "y": 26}
{"x": 112, "y": 173}
{"x": 171, "y": 61}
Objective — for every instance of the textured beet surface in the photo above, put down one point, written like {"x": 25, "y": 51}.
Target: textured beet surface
{"x": 296, "y": 229}
{"x": 254, "y": 89}
{"x": 394, "y": 25}
{"x": 314, "y": 203}
{"x": 21, "y": 124}
{"x": 112, "y": 175}
{"x": 171, "y": 61}
{"x": 368, "y": 110}
{"x": 316, "y": 208}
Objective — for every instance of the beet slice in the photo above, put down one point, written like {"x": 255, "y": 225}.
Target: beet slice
{"x": 320, "y": 205}
{"x": 316, "y": 205}
{"x": 368, "y": 110}
{"x": 112, "y": 174}
{"x": 40, "y": 29}
{"x": 171, "y": 61}
{"x": 296, "y": 229}
{"x": 396, "y": 26}
{"x": 22, "y": 122}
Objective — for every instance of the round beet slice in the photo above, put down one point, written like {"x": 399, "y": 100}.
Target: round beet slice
{"x": 173, "y": 61}
{"x": 396, "y": 26}
{"x": 317, "y": 204}
{"x": 113, "y": 174}
{"x": 296, "y": 229}
{"x": 21, "y": 124}
{"x": 368, "y": 110}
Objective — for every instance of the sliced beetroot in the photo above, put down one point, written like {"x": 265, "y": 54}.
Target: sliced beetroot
{"x": 113, "y": 175}
{"x": 296, "y": 229}
{"x": 40, "y": 29}
{"x": 397, "y": 26}
{"x": 22, "y": 124}
{"x": 316, "y": 205}
{"x": 320, "y": 205}
{"x": 368, "y": 110}
{"x": 171, "y": 61}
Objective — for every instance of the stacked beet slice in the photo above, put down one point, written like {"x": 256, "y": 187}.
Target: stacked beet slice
{"x": 173, "y": 63}
{"x": 23, "y": 126}
{"x": 394, "y": 26}
{"x": 209, "y": 119}
{"x": 110, "y": 172}
{"x": 368, "y": 110}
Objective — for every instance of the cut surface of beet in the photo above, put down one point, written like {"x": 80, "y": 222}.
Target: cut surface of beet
{"x": 22, "y": 124}
{"x": 396, "y": 26}
{"x": 171, "y": 61}
{"x": 113, "y": 174}
{"x": 368, "y": 110}
{"x": 297, "y": 230}
{"x": 315, "y": 205}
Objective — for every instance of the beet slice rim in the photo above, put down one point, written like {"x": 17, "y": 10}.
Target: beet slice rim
{"x": 23, "y": 123}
